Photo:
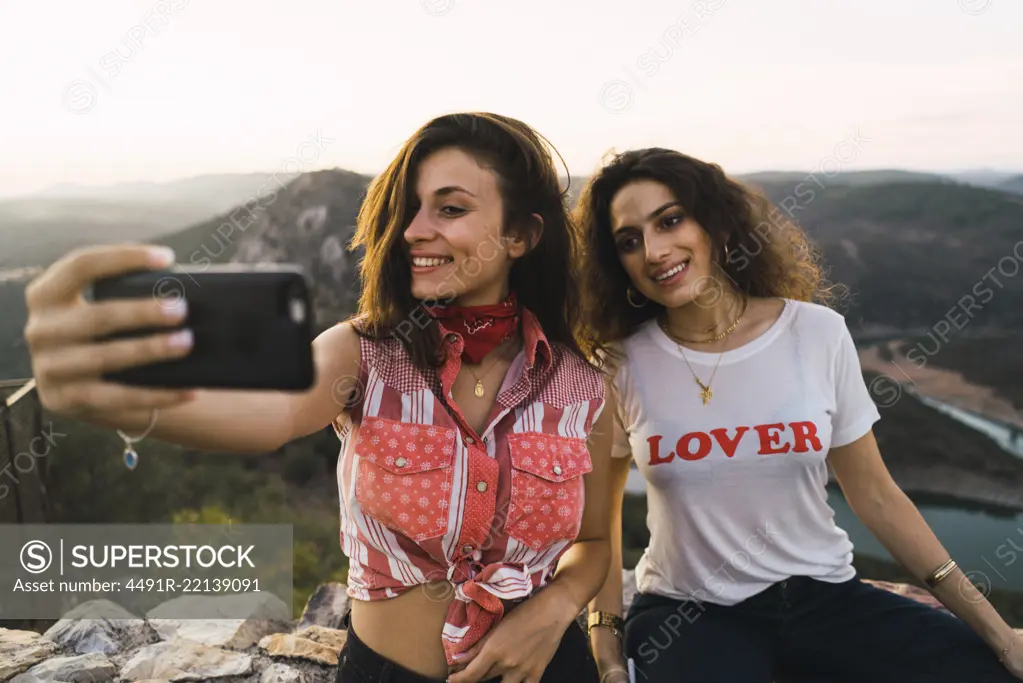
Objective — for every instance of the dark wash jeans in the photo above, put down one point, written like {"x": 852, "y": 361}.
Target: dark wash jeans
{"x": 572, "y": 663}
{"x": 806, "y": 631}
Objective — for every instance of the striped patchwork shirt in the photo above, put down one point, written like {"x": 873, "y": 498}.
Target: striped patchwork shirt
{"x": 424, "y": 498}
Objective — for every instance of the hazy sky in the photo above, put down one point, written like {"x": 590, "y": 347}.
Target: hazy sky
{"x": 109, "y": 90}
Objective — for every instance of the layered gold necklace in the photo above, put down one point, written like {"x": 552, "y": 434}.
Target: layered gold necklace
{"x": 705, "y": 388}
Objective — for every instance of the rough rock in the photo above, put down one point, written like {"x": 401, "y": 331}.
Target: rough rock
{"x": 90, "y": 668}
{"x": 325, "y": 607}
{"x": 100, "y": 626}
{"x": 266, "y": 614}
{"x": 21, "y": 650}
{"x": 184, "y": 660}
{"x": 308, "y": 222}
{"x": 300, "y": 647}
{"x": 331, "y": 637}
{"x": 282, "y": 673}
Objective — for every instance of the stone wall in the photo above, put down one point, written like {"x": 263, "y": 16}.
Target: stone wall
{"x": 100, "y": 642}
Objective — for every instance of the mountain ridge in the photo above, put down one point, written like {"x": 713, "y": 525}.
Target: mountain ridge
{"x": 37, "y": 228}
{"x": 1013, "y": 184}
{"x": 175, "y": 187}
{"x": 918, "y": 257}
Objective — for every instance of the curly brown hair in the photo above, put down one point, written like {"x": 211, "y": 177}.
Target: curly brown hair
{"x": 544, "y": 280}
{"x": 768, "y": 254}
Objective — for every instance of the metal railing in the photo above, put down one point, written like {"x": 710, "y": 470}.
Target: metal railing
{"x": 23, "y": 471}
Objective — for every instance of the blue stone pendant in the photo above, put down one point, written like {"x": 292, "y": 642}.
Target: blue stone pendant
{"x": 131, "y": 458}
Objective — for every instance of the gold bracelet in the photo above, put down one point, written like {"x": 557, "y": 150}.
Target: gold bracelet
{"x": 941, "y": 573}
{"x": 606, "y": 619}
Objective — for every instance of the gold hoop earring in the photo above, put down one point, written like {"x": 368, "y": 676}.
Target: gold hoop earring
{"x": 628, "y": 295}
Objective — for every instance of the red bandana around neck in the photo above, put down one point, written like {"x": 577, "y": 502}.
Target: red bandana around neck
{"x": 482, "y": 328}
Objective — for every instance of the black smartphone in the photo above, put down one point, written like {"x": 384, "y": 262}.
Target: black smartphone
{"x": 251, "y": 326}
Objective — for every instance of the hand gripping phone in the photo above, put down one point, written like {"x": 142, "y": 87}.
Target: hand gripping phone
{"x": 251, "y": 324}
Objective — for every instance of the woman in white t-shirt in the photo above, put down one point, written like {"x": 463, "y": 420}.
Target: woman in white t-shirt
{"x": 737, "y": 387}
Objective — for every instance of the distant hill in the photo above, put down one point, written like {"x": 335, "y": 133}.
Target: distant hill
{"x": 14, "y": 362}
{"x": 37, "y": 229}
{"x": 871, "y": 177}
{"x": 910, "y": 252}
{"x": 37, "y": 232}
{"x": 982, "y": 177}
{"x": 213, "y": 188}
{"x": 1013, "y": 184}
{"x": 310, "y": 223}
{"x": 791, "y": 179}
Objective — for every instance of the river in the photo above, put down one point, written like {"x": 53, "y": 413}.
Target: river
{"x": 987, "y": 543}
{"x": 1009, "y": 437}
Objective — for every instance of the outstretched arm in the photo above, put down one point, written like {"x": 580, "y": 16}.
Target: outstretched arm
{"x": 63, "y": 333}
{"x": 255, "y": 421}
{"x": 890, "y": 515}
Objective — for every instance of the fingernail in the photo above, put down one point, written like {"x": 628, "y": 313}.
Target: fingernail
{"x": 181, "y": 339}
{"x": 175, "y": 309}
{"x": 161, "y": 257}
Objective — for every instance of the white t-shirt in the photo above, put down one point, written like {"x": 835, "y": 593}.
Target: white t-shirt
{"x": 736, "y": 488}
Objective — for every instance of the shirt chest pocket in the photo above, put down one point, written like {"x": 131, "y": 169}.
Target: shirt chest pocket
{"x": 403, "y": 476}
{"x": 547, "y": 496}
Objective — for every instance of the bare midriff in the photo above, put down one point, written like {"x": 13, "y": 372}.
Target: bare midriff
{"x": 407, "y": 629}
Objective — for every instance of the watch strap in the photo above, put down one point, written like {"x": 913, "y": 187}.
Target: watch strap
{"x": 608, "y": 620}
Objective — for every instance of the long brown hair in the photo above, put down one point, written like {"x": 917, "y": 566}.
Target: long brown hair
{"x": 768, "y": 255}
{"x": 544, "y": 280}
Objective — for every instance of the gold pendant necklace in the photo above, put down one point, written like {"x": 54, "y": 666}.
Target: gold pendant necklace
{"x": 706, "y": 394}
{"x": 705, "y": 391}
{"x": 478, "y": 390}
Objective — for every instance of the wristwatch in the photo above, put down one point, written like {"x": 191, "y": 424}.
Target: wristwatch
{"x": 611, "y": 621}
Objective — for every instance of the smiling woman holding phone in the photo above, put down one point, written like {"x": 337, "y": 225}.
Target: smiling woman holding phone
{"x": 475, "y": 436}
